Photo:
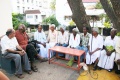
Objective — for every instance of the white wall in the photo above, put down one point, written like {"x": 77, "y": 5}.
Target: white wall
{"x": 5, "y": 16}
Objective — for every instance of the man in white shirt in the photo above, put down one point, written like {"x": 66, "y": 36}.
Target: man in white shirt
{"x": 94, "y": 48}
{"x": 62, "y": 39}
{"x": 42, "y": 42}
{"x": 107, "y": 56}
{"x": 11, "y": 50}
{"x": 117, "y": 58}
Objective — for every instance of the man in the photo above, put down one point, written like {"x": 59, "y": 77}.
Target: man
{"x": 52, "y": 38}
{"x": 84, "y": 37}
{"x": 94, "y": 48}
{"x": 117, "y": 58}
{"x": 11, "y": 50}
{"x": 62, "y": 39}
{"x": 41, "y": 40}
{"x": 22, "y": 39}
{"x": 107, "y": 56}
{"x": 73, "y": 43}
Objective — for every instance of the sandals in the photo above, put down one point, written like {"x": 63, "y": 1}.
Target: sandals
{"x": 34, "y": 69}
{"x": 19, "y": 76}
{"x": 28, "y": 71}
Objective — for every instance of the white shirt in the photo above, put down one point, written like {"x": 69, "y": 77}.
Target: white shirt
{"x": 110, "y": 42}
{"x": 7, "y": 43}
{"x": 52, "y": 36}
{"x": 63, "y": 38}
{"x": 74, "y": 42}
{"x": 40, "y": 36}
{"x": 95, "y": 42}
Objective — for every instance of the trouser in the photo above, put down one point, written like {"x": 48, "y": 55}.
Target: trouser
{"x": 31, "y": 52}
{"x": 17, "y": 59}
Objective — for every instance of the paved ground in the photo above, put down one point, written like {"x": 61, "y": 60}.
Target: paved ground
{"x": 49, "y": 72}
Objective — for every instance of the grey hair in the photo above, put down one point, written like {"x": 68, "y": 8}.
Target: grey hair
{"x": 9, "y": 31}
{"x": 21, "y": 26}
{"x": 96, "y": 30}
{"x": 63, "y": 27}
{"x": 52, "y": 25}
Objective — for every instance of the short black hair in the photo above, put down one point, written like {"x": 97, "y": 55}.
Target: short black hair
{"x": 9, "y": 31}
{"x": 87, "y": 28}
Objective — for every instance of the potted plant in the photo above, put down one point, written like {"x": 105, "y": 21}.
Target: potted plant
{"x": 71, "y": 25}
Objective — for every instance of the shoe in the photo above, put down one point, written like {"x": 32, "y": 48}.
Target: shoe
{"x": 70, "y": 63}
{"x": 28, "y": 71}
{"x": 95, "y": 67}
{"x": 43, "y": 60}
{"x": 117, "y": 71}
{"x": 20, "y": 76}
{"x": 99, "y": 68}
{"x": 109, "y": 70}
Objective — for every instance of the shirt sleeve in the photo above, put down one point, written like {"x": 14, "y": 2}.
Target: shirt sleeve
{"x": 16, "y": 42}
{"x": 56, "y": 36}
{"x": 66, "y": 40}
{"x": 35, "y": 36}
{"x": 100, "y": 42}
{"x": 4, "y": 45}
{"x": 44, "y": 36}
{"x": 78, "y": 40}
{"x": 70, "y": 41}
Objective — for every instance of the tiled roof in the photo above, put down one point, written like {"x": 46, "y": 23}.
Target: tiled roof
{"x": 32, "y": 12}
{"x": 90, "y": 1}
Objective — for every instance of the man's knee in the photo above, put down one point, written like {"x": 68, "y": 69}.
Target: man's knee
{"x": 17, "y": 56}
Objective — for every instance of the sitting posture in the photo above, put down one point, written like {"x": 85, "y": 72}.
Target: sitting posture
{"x": 107, "y": 56}
{"x": 12, "y": 50}
{"x": 22, "y": 39}
{"x": 62, "y": 39}
{"x": 42, "y": 42}
{"x": 94, "y": 48}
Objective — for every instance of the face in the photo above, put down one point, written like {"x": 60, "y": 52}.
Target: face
{"x": 113, "y": 33}
{"x": 61, "y": 29}
{"x": 84, "y": 30}
{"x": 52, "y": 28}
{"x": 74, "y": 32}
{"x": 39, "y": 29}
{"x": 94, "y": 33}
{"x": 12, "y": 34}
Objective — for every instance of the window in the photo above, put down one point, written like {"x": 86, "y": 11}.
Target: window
{"x": 17, "y": 1}
{"x": 18, "y": 9}
{"x": 23, "y": 9}
{"x": 29, "y": 16}
{"x": 67, "y": 18}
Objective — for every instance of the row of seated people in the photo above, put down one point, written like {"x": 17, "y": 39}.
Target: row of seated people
{"x": 15, "y": 44}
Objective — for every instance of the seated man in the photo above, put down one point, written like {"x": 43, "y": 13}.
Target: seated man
{"x": 117, "y": 58}
{"x": 62, "y": 39}
{"x": 42, "y": 42}
{"x": 84, "y": 37}
{"x": 12, "y": 50}
{"x": 94, "y": 48}
{"x": 106, "y": 60}
{"x": 22, "y": 39}
{"x": 73, "y": 43}
{"x": 52, "y": 38}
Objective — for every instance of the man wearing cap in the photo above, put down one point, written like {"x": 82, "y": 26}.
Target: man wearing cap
{"x": 94, "y": 48}
{"x": 62, "y": 38}
{"x": 117, "y": 58}
{"x": 40, "y": 36}
{"x": 107, "y": 57}
{"x": 74, "y": 41}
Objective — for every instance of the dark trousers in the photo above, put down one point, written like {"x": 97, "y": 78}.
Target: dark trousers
{"x": 31, "y": 52}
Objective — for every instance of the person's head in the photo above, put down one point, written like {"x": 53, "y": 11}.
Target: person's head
{"x": 62, "y": 28}
{"x": 74, "y": 31}
{"x": 85, "y": 30}
{"x": 39, "y": 28}
{"x": 113, "y": 32}
{"x": 95, "y": 31}
{"x": 21, "y": 28}
{"x": 10, "y": 33}
{"x": 52, "y": 27}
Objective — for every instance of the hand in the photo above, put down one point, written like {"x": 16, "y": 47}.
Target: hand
{"x": 20, "y": 53}
{"x": 23, "y": 51}
{"x": 44, "y": 45}
{"x": 91, "y": 53}
{"x": 118, "y": 61}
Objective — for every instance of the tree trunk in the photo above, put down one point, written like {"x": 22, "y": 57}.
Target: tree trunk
{"x": 111, "y": 14}
{"x": 79, "y": 15}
